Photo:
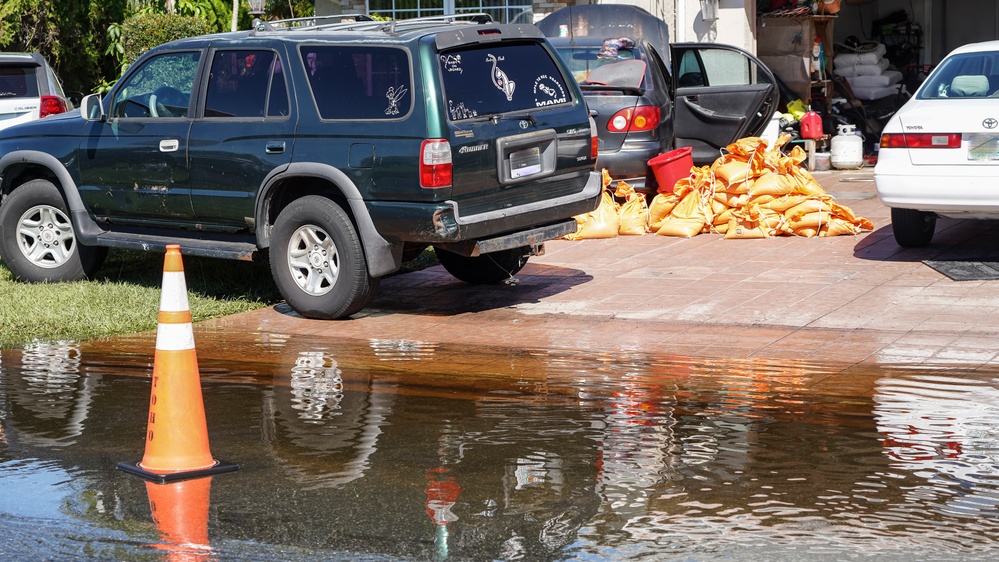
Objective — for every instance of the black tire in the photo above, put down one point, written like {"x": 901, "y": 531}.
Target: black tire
{"x": 486, "y": 269}
{"x": 37, "y": 240}
{"x": 912, "y": 228}
{"x": 328, "y": 280}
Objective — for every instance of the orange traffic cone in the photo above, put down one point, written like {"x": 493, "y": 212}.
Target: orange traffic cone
{"x": 180, "y": 511}
{"x": 176, "y": 434}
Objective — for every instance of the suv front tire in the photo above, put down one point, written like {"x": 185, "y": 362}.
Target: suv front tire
{"x": 39, "y": 243}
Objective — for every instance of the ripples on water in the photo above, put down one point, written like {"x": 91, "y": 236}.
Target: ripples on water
{"x": 402, "y": 449}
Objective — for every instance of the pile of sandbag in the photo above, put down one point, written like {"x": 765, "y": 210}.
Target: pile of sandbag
{"x": 612, "y": 218}
{"x": 753, "y": 191}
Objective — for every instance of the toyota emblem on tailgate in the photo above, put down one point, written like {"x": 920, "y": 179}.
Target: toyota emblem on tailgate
{"x": 990, "y": 123}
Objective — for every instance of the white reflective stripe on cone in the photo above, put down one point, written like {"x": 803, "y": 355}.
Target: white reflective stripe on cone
{"x": 175, "y": 337}
{"x": 173, "y": 296}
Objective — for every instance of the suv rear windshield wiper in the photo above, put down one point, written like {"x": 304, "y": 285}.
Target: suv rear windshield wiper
{"x": 497, "y": 117}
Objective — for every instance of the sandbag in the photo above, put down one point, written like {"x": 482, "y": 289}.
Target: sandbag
{"x": 604, "y": 222}
{"x": 772, "y": 184}
{"x": 660, "y": 209}
{"x": 682, "y": 227}
{"x": 634, "y": 215}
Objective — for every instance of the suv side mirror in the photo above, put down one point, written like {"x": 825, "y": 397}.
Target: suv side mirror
{"x": 92, "y": 108}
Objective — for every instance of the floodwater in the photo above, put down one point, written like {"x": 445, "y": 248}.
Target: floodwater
{"x": 402, "y": 450}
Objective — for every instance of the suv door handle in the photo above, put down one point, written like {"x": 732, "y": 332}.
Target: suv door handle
{"x": 169, "y": 145}
{"x": 274, "y": 147}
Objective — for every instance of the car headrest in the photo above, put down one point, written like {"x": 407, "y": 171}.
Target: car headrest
{"x": 969, "y": 85}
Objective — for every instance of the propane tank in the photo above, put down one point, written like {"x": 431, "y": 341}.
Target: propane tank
{"x": 847, "y": 148}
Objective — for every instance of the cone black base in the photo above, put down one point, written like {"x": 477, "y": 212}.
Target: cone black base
{"x": 218, "y": 468}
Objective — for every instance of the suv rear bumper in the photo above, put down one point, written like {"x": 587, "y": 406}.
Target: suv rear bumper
{"x": 442, "y": 223}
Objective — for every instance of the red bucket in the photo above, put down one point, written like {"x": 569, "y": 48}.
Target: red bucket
{"x": 672, "y": 166}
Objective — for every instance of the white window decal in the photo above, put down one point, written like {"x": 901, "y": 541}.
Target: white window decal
{"x": 548, "y": 91}
{"x": 451, "y": 63}
{"x": 394, "y": 95}
{"x": 500, "y": 80}
{"x": 460, "y": 111}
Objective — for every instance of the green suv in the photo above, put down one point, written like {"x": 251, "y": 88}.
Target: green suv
{"x": 337, "y": 148}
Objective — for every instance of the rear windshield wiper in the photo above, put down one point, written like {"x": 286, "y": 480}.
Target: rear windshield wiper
{"x": 612, "y": 88}
{"x": 495, "y": 118}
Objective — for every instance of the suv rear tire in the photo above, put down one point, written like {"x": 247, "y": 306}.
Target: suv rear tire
{"x": 912, "y": 228}
{"x": 487, "y": 269}
{"x": 38, "y": 243}
{"x": 317, "y": 260}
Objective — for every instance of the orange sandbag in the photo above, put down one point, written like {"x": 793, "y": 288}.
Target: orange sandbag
{"x": 624, "y": 190}
{"x": 687, "y": 218}
{"x": 746, "y": 146}
{"x": 811, "y": 220}
{"x": 803, "y": 231}
{"x": 634, "y": 215}
{"x": 810, "y": 205}
{"x": 733, "y": 172}
{"x": 806, "y": 183}
{"x": 779, "y": 204}
{"x": 604, "y": 222}
{"x": 660, "y": 209}
{"x": 723, "y": 217}
{"x": 747, "y": 223}
{"x": 681, "y": 188}
{"x": 837, "y": 227}
{"x": 731, "y": 199}
{"x": 846, "y": 213}
{"x": 682, "y": 227}
{"x": 772, "y": 184}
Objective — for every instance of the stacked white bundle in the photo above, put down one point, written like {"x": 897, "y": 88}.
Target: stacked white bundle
{"x": 868, "y": 74}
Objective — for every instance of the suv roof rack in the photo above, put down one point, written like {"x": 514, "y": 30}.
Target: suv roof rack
{"x": 357, "y": 22}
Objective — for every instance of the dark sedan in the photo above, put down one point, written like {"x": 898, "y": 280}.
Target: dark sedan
{"x": 649, "y": 97}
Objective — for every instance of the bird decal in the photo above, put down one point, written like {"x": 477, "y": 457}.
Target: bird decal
{"x": 500, "y": 79}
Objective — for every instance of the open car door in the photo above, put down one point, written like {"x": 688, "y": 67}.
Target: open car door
{"x": 721, "y": 94}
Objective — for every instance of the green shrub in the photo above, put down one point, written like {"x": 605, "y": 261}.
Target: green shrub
{"x": 145, "y": 31}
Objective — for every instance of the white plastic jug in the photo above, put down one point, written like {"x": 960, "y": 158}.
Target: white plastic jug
{"x": 847, "y": 148}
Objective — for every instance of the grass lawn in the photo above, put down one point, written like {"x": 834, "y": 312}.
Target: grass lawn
{"x": 124, "y": 296}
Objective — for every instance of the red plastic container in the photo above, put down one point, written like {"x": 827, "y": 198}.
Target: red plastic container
{"x": 811, "y": 126}
{"x": 669, "y": 167}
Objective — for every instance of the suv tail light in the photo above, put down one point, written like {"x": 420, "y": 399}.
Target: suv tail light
{"x": 594, "y": 140}
{"x": 638, "y": 118}
{"x": 51, "y": 105}
{"x": 435, "y": 164}
{"x": 921, "y": 140}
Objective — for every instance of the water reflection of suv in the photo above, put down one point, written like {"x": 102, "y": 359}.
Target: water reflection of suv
{"x": 341, "y": 148}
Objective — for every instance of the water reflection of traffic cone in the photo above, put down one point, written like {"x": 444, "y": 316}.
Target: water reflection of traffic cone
{"x": 442, "y": 494}
{"x": 180, "y": 511}
{"x": 176, "y": 431}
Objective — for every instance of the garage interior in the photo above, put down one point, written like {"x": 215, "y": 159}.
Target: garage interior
{"x": 915, "y": 35}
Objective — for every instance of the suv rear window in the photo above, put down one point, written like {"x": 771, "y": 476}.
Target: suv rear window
{"x": 491, "y": 79}
{"x": 18, "y": 82}
{"x": 359, "y": 82}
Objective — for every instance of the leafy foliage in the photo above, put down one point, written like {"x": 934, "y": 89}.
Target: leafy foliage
{"x": 145, "y": 31}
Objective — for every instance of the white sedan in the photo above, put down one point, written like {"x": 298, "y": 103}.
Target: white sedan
{"x": 939, "y": 154}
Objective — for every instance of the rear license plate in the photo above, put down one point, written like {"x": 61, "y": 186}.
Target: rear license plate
{"x": 983, "y": 146}
{"x": 525, "y": 162}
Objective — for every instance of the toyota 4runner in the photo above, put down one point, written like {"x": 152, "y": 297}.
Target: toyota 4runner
{"x": 341, "y": 148}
